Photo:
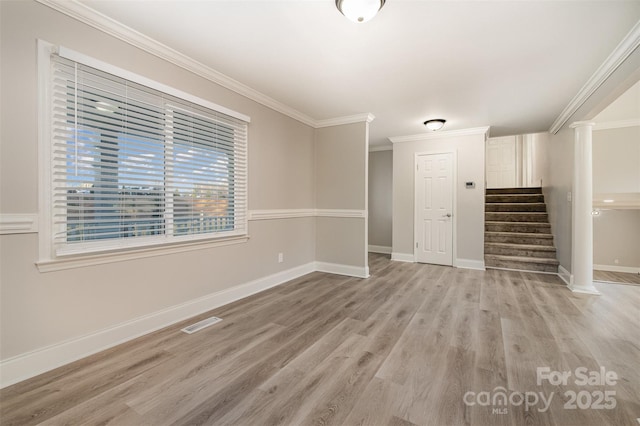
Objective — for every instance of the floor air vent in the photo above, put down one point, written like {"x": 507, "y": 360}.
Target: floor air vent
{"x": 201, "y": 324}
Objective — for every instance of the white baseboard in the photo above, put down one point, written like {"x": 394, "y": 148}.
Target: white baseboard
{"x": 616, "y": 268}
{"x": 334, "y": 268}
{"x": 470, "y": 264}
{"x": 380, "y": 249}
{"x": 403, "y": 257}
{"x": 30, "y": 364}
{"x": 565, "y": 275}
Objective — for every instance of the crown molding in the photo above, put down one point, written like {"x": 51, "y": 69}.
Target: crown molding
{"x": 339, "y": 121}
{"x": 101, "y": 22}
{"x": 625, "y": 48}
{"x": 617, "y": 124}
{"x": 440, "y": 135}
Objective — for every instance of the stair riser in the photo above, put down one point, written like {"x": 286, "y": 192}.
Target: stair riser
{"x": 508, "y": 251}
{"x": 515, "y": 207}
{"x": 517, "y": 217}
{"x": 517, "y": 239}
{"x": 514, "y": 191}
{"x": 514, "y": 198}
{"x": 528, "y": 266}
{"x": 542, "y": 228}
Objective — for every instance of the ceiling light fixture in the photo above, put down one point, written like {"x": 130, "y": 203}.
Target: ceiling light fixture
{"x": 435, "y": 124}
{"x": 608, "y": 201}
{"x": 359, "y": 10}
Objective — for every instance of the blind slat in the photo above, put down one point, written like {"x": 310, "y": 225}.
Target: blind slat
{"x": 130, "y": 162}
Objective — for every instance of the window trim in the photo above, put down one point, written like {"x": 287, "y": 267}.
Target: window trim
{"x": 48, "y": 260}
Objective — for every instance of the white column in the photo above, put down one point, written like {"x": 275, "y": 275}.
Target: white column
{"x": 582, "y": 223}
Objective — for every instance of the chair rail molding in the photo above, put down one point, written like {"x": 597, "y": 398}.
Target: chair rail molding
{"x": 19, "y": 223}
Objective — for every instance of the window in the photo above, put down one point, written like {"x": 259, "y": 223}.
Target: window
{"x": 133, "y": 165}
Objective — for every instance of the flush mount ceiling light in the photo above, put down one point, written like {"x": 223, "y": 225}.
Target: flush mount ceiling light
{"x": 359, "y": 10}
{"x": 435, "y": 124}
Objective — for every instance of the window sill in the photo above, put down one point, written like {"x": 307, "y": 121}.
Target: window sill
{"x": 81, "y": 261}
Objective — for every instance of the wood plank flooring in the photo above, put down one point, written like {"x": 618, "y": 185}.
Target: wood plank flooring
{"x": 407, "y": 346}
{"x": 616, "y": 277}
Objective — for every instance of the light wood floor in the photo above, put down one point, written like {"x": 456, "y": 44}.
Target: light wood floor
{"x": 402, "y": 347}
{"x": 616, "y": 277}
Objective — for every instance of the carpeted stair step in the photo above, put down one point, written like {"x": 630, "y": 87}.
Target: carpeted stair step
{"x": 514, "y": 191}
{"x": 525, "y": 227}
{"x": 520, "y": 250}
{"x": 521, "y": 263}
{"x": 516, "y": 217}
{"x": 515, "y": 207}
{"x": 519, "y": 238}
{"x": 514, "y": 198}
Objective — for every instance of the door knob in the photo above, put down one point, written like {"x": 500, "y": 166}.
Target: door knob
{"x": 446, "y": 215}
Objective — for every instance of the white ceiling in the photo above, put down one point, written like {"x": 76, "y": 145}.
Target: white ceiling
{"x": 512, "y": 65}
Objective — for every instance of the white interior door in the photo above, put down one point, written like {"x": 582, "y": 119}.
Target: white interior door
{"x": 501, "y": 162}
{"x": 434, "y": 208}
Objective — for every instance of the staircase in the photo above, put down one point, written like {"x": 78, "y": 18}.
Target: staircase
{"x": 517, "y": 231}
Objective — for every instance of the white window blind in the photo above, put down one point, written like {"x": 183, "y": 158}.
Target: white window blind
{"x": 135, "y": 166}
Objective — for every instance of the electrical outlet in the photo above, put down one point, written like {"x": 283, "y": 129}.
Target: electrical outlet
{"x": 280, "y": 257}
{"x": 616, "y": 261}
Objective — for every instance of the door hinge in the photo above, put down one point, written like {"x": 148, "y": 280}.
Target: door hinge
{"x": 417, "y": 167}
{"x": 416, "y": 245}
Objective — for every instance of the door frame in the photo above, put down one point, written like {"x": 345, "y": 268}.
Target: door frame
{"x": 454, "y": 207}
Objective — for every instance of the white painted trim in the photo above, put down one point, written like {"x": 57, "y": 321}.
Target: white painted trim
{"x": 101, "y": 22}
{"x": 564, "y": 275}
{"x": 122, "y": 32}
{"x": 625, "y": 48}
{"x": 585, "y": 290}
{"x": 62, "y": 263}
{"x": 617, "y": 268}
{"x": 378, "y": 148}
{"x": 30, "y": 364}
{"x": 403, "y": 257}
{"x": 470, "y": 264}
{"x": 351, "y": 119}
{"x": 24, "y": 223}
{"x": 634, "y": 122}
{"x": 280, "y": 214}
{"x": 440, "y": 135}
{"x": 341, "y": 213}
{"x": 335, "y": 268}
{"x": 379, "y": 249}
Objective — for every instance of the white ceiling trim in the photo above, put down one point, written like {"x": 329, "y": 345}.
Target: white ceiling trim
{"x": 615, "y": 59}
{"x": 441, "y": 135}
{"x": 103, "y": 23}
{"x": 358, "y": 118}
{"x": 377, "y": 148}
{"x": 617, "y": 124}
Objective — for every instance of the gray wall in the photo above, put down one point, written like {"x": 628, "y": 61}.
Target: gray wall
{"x": 616, "y": 160}
{"x": 616, "y": 236}
{"x": 41, "y": 309}
{"x": 380, "y": 198}
{"x": 341, "y": 163}
{"x": 559, "y": 150}
{"x": 469, "y": 214}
